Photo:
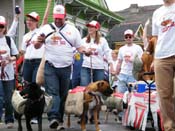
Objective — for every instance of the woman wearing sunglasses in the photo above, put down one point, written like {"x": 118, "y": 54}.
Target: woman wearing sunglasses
{"x": 7, "y": 82}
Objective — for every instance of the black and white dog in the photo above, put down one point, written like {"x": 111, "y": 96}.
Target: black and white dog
{"x": 34, "y": 106}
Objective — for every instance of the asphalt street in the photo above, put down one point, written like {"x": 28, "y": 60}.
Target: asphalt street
{"x": 111, "y": 125}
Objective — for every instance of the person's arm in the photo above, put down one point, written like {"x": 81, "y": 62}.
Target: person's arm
{"x": 111, "y": 67}
{"x": 12, "y": 31}
{"x": 152, "y": 64}
{"x": 118, "y": 66}
{"x": 46, "y": 14}
{"x": 145, "y": 39}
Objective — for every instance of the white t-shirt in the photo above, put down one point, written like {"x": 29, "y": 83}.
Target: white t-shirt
{"x": 163, "y": 26}
{"x": 114, "y": 63}
{"x": 58, "y": 51}
{"x": 30, "y": 51}
{"x": 127, "y": 54}
{"x": 9, "y": 68}
{"x": 96, "y": 61}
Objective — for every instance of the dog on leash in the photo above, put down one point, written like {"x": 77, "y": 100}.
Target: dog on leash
{"x": 34, "y": 105}
{"x": 92, "y": 100}
{"x": 114, "y": 104}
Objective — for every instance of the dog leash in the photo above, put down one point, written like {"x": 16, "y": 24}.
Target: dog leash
{"x": 91, "y": 69}
{"x": 91, "y": 65}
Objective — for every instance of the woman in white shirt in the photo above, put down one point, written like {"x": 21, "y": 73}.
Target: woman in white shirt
{"x": 93, "y": 63}
{"x": 8, "y": 54}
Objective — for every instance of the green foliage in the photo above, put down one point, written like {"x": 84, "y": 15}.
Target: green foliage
{"x": 38, "y": 6}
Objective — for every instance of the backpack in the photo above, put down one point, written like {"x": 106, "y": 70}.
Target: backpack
{"x": 8, "y": 40}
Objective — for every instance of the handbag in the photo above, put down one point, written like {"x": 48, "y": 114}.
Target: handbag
{"x": 18, "y": 102}
{"x": 40, "y": 72}
{"x": 137, "y": 66}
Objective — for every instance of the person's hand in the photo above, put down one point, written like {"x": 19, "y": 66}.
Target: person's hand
{"x": 5, "y": 61}
{"x": 40, "y": 40}
{"x": 88, "y": 52}
{"x": 3, "y": 52}
{"x": 113, "y": 73}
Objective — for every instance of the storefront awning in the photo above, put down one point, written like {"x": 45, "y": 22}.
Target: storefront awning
{"x": 88, "y": 10}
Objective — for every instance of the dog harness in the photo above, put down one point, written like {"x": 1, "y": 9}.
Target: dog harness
{"x": 36, "y": 100}
{"x": 96, "y": 99}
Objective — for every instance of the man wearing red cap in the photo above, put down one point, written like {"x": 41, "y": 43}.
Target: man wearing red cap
{"x": 59, "y": 39}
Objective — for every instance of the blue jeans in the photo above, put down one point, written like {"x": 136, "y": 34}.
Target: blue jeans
{"x": 57, "y": 82}
{"x": 6, "y": 90}
{"x": 123, "y": 81}
{"x": 30, "y": 69}
{"x": 86, "y": 78}
{"x": 76, "y": 72}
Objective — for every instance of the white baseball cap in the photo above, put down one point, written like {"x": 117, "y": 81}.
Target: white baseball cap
{"x": 93, "y": 23}
{"x": 59, "y": 11}
{"x": 2, "y": 20}
{"x": 34, "y": 15}
{"x": 128, "y": 32}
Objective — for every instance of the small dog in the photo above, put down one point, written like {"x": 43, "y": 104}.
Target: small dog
{"x": 92, "y": 100}
{"x": 34, "y": 106}
{"x": 114, "y": 104}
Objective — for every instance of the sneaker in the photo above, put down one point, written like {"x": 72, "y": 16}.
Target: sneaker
{"x": 34, "y": 121}
{"x": 53, "y": 124}
{"x": 60, "y": 127}
{"x": 9, "y": 125}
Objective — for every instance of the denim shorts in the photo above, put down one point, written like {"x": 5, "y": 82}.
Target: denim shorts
{"x": 123, "y": 81}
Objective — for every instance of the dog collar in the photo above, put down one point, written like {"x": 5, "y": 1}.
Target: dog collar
{"x": 95, "y": 93}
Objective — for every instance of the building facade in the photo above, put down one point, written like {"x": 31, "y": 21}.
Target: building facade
{"x": 79, "y": 12}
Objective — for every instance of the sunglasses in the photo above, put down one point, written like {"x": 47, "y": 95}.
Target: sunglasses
{"x": 128, "y": 36}
{"x": 2, "y": 26}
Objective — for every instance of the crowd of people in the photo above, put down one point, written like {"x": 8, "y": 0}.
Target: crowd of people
{"x": 71, "y": 60}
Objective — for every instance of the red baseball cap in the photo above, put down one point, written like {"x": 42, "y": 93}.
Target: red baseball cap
{"x": 2, "y": 20}
{"x": 94, "y": 24}
{"x": 34, "y": 15}
{"x": 59, "y": 11}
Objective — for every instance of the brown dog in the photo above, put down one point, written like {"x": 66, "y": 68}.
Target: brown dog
{"x": 147, "y": 59}
{"x": 92, "y": 99}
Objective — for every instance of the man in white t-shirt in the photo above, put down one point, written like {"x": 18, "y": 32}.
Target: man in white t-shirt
{"x": 59, "y": 38}
{"x": 125, "y": 61}
{"x": 163, "y": 28}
